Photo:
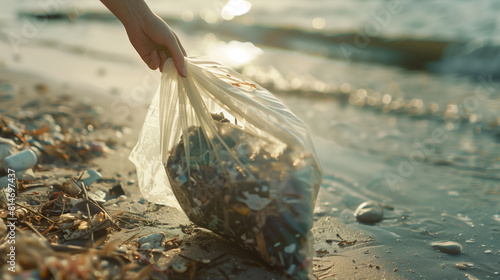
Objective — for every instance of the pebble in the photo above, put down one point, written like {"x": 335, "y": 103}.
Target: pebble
{"x": 42, "y": 88}
{"x": 448, "y": 247}
{"x": 121, "y": 249}
{"x": 71, "y": 188}
{"x": 369, "y": 212}
{"x": 290, "y": 248}
{"x": 104, "y": 263}
{"x": 179, "y": 267}
{"x": 464, "y": 266}
{"x": 154, "y": 239}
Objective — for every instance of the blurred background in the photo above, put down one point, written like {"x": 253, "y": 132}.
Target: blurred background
{"x": 401, "y": 97}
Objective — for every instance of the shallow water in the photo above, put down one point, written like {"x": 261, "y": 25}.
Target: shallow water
{"x": 425, "y": 142}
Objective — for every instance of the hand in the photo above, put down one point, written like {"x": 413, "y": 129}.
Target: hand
{"x": 155, "y": 42}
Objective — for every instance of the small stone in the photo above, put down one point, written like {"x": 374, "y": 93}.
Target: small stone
{"x": 104, "y": 263}
{"x": 41, "y": 88}
{"x": 154, "y": 239}
{"x": 290, "y": 248}
{"x": 157, "y": 250}
{"x": 369, "y": 212}
{"x": 448, "y": 247}
{"x": 464, "y": 266}
{"x": 121, "y": 249}
{"x": 179, "y": 267}
{"x": 471, "y": 277}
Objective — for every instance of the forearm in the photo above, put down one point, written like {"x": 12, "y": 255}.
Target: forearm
{"x": 129, "y": 11}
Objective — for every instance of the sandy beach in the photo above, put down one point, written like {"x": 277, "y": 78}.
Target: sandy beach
{"x": 360, "y": 258}
{"x": 409, "y": 120}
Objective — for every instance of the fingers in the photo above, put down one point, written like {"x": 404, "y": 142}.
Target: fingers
{"x": 179, "y": 43}
{"x": 176, "y": 52}
{"x": 159, "y": 42}
{"x": 154, "y": 61}
{"x": 163, "y": 58}
{"x": 179, "y": 63}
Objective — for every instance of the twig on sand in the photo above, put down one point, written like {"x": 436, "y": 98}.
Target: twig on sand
{"x": 223, "y": 274}
{"x": 33, "y": 229}
{"x": 86, "y": 197}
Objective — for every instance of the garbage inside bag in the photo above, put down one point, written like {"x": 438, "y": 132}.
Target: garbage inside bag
{"x": 235, "y": 158}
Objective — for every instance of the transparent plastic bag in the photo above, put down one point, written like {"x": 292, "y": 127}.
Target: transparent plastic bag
{"x": 235, "y": 158}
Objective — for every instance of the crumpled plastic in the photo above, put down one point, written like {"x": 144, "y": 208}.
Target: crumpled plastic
{"x": 235, "y": 159}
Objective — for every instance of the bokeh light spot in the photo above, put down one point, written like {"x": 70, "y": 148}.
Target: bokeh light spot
{"x": 318, "y": 23}
{"x": 235, "y": 8}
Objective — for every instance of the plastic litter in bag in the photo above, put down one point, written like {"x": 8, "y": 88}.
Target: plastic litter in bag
{"x": 235, "y": 158}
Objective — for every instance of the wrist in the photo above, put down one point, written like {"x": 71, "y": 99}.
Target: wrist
{"x": 131, "y": 13}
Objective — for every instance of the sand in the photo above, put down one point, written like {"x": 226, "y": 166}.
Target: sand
{"x": 360, "y": 257}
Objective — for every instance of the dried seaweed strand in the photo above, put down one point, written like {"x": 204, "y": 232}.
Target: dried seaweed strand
{"x": 33, "y": 229}
{"x": 38, "y": 214}
{"x": 86, "y": 197}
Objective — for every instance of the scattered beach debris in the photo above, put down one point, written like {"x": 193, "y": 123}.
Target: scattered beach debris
{"x": 369, "y": 212}
{"x": 154, "y": 240}
{"x": 448, "y": 247}
{"x": 44, "y": 147}
{"x": 68, "y": 224}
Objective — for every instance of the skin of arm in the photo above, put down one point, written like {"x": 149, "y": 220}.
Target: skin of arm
{"x": 151, "y": 37}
